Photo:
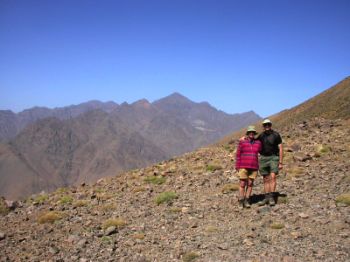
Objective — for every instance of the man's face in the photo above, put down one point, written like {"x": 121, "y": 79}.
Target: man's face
{"x": 267, "y": 126}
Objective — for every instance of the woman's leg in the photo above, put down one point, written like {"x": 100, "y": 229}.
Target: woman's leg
{"x": 242, "y": 188}
{"x": 249, "y": 188}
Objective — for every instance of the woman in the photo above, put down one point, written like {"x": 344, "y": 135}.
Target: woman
{"x": 247, "y": 166}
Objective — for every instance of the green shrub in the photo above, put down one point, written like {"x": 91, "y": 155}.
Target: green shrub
{"x": 156, "y": 180}
{"x": 188, "y": 257}
{"x": 213, "y": 167}
{"x": 344, "y": 199}
{"x": 277, "y": 226}
{"x": 40, "y": 199}
{"x": 66, "y": 200}
{"x": 322, "y": 149}
{"x": 61, "y": 190}
{"x": 165, "y": 197}
{"x": 106, "y": 239}
{"x": 3, "y": 208}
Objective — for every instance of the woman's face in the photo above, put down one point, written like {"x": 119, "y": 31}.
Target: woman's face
{"x": 251, "y": 135}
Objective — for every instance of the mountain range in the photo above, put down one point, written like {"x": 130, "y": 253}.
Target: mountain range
{"x": 44, "y": 149}
{"x": 185, "y": 208}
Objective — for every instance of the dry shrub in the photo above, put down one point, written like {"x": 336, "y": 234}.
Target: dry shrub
{"x": 49, "y": 217}
{"x": 117, "y": 222}
{"x": 228, "y": 188}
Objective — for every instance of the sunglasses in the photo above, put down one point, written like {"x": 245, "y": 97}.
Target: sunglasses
{"x": 268, "y": 124}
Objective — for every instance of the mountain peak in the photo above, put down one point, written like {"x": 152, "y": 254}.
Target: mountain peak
{"x": 142, "y": 103}
{"x": 174, "y": 98}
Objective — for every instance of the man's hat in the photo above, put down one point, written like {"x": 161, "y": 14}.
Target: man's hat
{"x": 251, "y": 129}
{"x": 267, "y": 121}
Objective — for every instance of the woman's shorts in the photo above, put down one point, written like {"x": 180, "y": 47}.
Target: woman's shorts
{"x": 245, "y": 173}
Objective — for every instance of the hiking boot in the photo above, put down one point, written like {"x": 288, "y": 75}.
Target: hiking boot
{"x": 265, "y": 201}
{"x": 247, "y": 203}
{"x": 272, "y": 201}
{"x": 241, "y": 203}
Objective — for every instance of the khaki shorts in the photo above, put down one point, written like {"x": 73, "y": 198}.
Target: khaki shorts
{"x": 245, "y": 173}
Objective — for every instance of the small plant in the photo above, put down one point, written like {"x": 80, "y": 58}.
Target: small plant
{"x": 61, "y": 190}
{"x": 190, "y": 256}
{"x": 213, "y": 167}
{"x": 139, "y": 236}
{"x": 282, "y": 200}
{"x": 277, "y": 226}
{"x": 3, "y": 208}
{"x": 109, "y": 207}
{"x": 81, "y": 203}
{"x": 322, "y": 149}
{"x": 165, "y": 197}
{"x": 228, "y": 188}
{"x": 40, "y": 199}
{"x": 228, "y": 148}
{"x": 106, "y": 239}
{"x": 296, "y": 171}
{"x": 156, "y": 180}
{"x": 138, "y": 189}
{"x": 98, "y": 190}
{"x": 66, "y": 200}
{"x": 175, "y": 210}
{"x": 343, "y": 199}
{"x": 212, "y": 229}
{"x": 49, "y": 217}
{"x": 117, "y": 222}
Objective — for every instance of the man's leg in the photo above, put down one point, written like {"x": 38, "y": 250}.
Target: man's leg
{"x": 266, "y": 179}
{"x": 273, "y": 182}
{"x": 272, "y": 201}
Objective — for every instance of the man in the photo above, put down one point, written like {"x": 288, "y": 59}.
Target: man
{"x": 247, "y": 166}
{"x": 271, "y": 161}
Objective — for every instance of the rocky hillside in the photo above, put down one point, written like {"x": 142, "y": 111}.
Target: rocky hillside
{"x": 185, "y": 209}
{"x": 57, "y": 152}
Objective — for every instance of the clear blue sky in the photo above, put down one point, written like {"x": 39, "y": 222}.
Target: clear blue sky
{"x": 237, "y": 55}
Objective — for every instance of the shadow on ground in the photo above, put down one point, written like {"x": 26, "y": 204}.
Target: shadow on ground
{"x": 255, "y": 198}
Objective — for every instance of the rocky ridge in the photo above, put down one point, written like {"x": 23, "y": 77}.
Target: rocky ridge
{"x": 185, "y": 209}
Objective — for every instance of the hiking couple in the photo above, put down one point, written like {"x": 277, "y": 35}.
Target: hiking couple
{"x": 269, "y": 145}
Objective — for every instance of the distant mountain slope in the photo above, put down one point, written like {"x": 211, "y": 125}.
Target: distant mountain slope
{"x": 74, "y": 146}
{"x": 11, "y": 124}
{"x": 54, "y": 153}
{"x": 178, "y": 125}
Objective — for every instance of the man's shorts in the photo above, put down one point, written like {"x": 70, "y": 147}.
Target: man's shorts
{"x": 268, "y": 164}
{"x": 245, "y": 173}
